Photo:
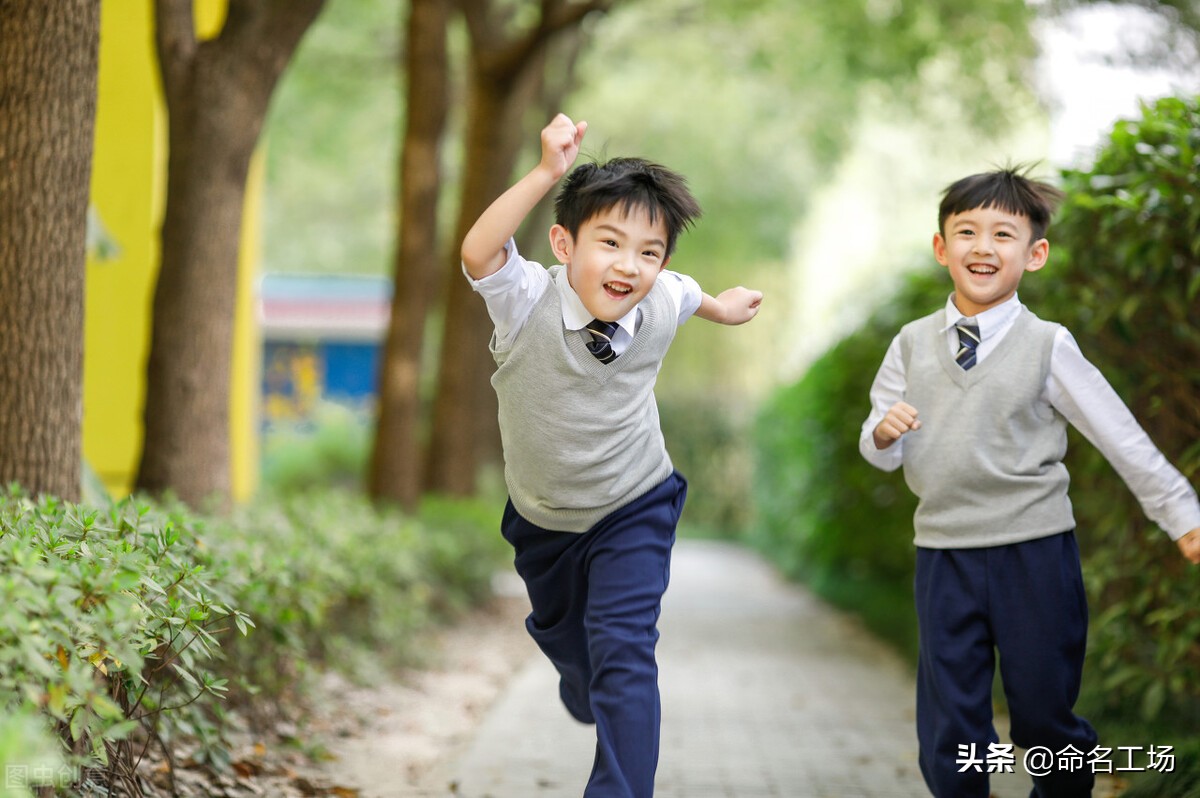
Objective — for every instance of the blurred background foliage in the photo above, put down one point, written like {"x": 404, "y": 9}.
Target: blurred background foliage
{"x": 824, "y": 513}
{"x": 773, "y": 110}
{"x": 816, "y": 137}
{"x": 1127, "y": 283}
{"x": 1124, "y": 277}
{"x": 758, "y": 103}
{"x": 332, "y": 137}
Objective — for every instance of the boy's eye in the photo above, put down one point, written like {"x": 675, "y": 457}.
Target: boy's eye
{"x": 651, "y": 254}
{"x": 610, "y": 242}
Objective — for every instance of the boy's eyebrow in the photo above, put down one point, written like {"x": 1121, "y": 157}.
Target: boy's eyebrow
{"x": 960, "y": 222}
{"x": 614, "y": 229}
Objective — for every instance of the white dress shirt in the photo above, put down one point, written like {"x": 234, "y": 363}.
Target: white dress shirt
{"x": 1077, "y": 390}
{"x": 511, "y": 293}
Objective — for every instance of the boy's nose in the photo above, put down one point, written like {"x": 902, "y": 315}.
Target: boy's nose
{"x": 626, "y": 265}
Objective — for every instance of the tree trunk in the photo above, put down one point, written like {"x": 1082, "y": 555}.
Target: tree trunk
{"x": 217, "y": 94}
{"x": 48, "y": 71}
{"x": 503, "y": 87}
{"x": 395, "y": 461}
{"x": 465, "y": 411}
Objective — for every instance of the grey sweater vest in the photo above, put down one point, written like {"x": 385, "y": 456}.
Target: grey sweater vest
{"x": 581, "y": 438}
{"x": 986, "y": 464}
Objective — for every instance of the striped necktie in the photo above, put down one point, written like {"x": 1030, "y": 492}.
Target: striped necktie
{"x": 968, "y": 340}
{"x": 601, "y": 343}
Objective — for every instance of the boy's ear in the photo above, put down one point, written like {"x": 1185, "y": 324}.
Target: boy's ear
{"x": 1038, "y": 255}
{"x": 663, "y": 265}
{"x": 561, "y": 243}
{"x": 939, "y": 249}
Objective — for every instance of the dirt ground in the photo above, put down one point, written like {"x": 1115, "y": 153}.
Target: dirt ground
{"x": 381, "y": 739}
{"x": 387, "y": 739}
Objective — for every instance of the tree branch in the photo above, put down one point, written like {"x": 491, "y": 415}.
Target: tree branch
{"x": 504, "y": 58}
{"x": 475, "y": 12}
{"x": 259, "y": 37}
{"x": 556, "y": 16}
{"x": 175, "y": 40}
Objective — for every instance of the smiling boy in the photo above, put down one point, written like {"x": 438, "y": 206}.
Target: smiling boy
{"x": 973, "y": 401}
{"x": 593, "y": 496}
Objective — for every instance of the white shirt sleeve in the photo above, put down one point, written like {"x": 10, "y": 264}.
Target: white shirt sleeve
{"x": 888, "y": 388}
{"x": 1080, "y": 392}
{"x": 511, "y": 292}
{"x": 684, "y": 291}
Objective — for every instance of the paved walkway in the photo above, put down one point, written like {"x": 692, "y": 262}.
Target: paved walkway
{"x": 766, "y": 692}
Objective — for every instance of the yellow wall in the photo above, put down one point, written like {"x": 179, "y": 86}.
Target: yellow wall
{"x": 128, "y": 188}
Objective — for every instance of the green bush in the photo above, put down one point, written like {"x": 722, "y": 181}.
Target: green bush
{"x": 331, "y": 450}
{"x": 125, "y": 628}
{"x": 709, "y": 443}
{"x": 1126, "y": 280}
{"x": 330, "y": 579}
{"x": 824, "y": 514}
{"x": 106, "y": 624}
{"x": 29, "y": 757}
{"x": 1124, "y": 277}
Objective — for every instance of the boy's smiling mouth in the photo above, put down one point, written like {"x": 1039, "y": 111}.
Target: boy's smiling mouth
{"x": 982, "y": 269}
{"x": 618, "y": 290}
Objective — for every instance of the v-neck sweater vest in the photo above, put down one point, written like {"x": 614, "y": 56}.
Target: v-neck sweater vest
{"x": 986, "y": 464}
{"x": 581, "y": 438}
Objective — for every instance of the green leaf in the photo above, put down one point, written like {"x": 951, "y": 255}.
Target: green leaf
{"x": 150, "y": 583}
{"x": 105, "y": 707}
{"x": 99, "y": 750}
{"x": 1153, "y": 700}
{"x": 78, "y": 725}
{"x": 120, "y": 730}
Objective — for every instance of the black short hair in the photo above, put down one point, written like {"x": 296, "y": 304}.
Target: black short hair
{"x": 628, "y": 183}
{"x": 1010, "y": 189}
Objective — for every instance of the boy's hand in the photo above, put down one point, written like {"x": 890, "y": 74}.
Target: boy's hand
{"x": 483, "y": 247}
{"x": 560, "y": 144}
{"x": 731, "y": 306}
{"x": 901, "y": 418}
{"x": 1189, "y": 544}
{"x": 741, "y": 304}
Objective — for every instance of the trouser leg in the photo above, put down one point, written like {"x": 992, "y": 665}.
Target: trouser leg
{"x": 553, "y": 567}
{"x": 595, "y": 601}
{"x": 954, "y": 672}
{"x": 628, "y": 572}
{"x": 1041, "y": 634}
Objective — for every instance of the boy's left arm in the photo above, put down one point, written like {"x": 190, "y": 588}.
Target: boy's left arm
{"x": 1078, "y": 390}
{"x": 732, "y": 306}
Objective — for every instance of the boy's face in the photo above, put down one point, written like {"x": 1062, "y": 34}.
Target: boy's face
{"x": 986, "y": 251}
{"x": 614, "y": 260}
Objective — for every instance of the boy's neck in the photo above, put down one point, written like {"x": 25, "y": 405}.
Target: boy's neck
{"x": 979, "y": 311}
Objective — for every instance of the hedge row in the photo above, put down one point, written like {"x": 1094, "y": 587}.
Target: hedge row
{"x": 1124, "y": 277}
{"x": 128, "y": 627}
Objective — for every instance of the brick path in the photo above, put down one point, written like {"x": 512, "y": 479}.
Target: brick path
{"x": 766, "y": 692}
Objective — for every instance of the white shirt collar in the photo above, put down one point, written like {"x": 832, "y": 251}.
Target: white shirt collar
{"x": 575, "y": 316}
{"x": 989, "y": 321}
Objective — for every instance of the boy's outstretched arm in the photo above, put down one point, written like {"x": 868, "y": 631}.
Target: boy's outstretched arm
{"x": 1189, "y": 544}
{"x": 731, "y": 306}
{"x": 483, "y": 246}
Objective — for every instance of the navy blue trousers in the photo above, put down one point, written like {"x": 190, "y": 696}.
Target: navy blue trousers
{"x": 1025, "y": 602}
{"x": 596, "y": 598}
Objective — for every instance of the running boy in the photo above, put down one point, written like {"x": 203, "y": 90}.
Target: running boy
{"x": 593, "y": 496}
{"x": 973, "y": 401}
